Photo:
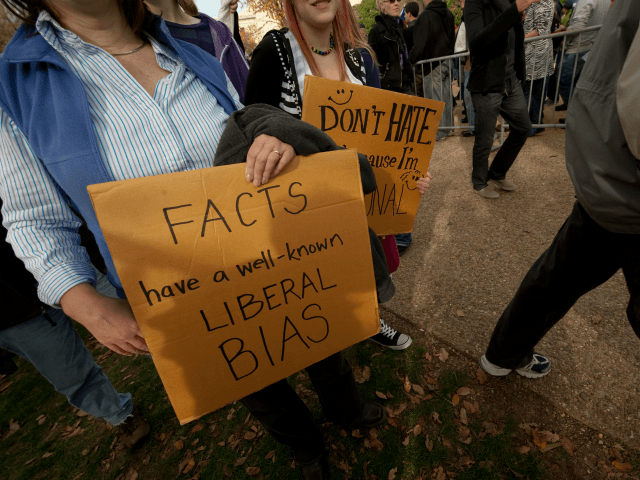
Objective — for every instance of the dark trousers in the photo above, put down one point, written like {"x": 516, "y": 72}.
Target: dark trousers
{"x": 285, "y": 416}
{"x": 583, "y": 255}
{"x": 513, "y": 108}
{"x": 535, "y": 114}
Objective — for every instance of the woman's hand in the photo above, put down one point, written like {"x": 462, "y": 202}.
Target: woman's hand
{"x": 423, "y": 183}
{"x": 110, "y": 320}
{"x": 233, "y": 6}
{"x": 266, "y": 159}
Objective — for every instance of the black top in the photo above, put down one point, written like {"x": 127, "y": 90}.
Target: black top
{"x": 433, "y": 34}
{"x": 387, "y": 41}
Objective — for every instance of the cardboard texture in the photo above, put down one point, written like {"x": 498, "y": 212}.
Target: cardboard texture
{"x": 395, "y": 131}
{"x": 236, "y": 287}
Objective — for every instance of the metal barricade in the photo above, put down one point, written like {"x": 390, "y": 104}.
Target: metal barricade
{"x": 438, "y": 76}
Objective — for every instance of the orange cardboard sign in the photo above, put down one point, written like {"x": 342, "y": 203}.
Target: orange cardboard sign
{"x": 395, "y": 131}
{"x": 234, "y": 286}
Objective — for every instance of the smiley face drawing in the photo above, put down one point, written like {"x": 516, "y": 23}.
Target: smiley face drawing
{"x": 411, "y": 178}
{"x": 340, "y": 92}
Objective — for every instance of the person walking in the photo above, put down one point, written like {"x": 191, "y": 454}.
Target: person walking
{"x": 496, "y": 47}
{"x": 602, "y": 233}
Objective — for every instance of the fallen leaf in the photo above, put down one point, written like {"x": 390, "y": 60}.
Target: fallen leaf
{"x": 623, "y": 467}
{"x": 356, "y": 434}
{"x": 48, "y": 454}
{"x": 250, "y": 435}
{"x": 4, "y": 386}
{"x": 463, "y": 431}
{"x": 428, "y": 443}
{"x": 366, "y": 373}
{"x": 41, "y": 419}
{"x": 225, "y": 471}
{"x": 615, "y": 453}
{"x": 381, "y": 395}
{"x": 406, "y": 441}
{"x": 463, "y": 416}
{"x": 470, "y": 408}
{"x": 490, "y": 428}
{"x": 252, "y": 471}
{"x": 455, "y": 400}
{"x": 392, "y": 473}
{"x": 272, "y": 453}
{"x": 407, "y": 384}
{"x": 418, "y": 389}
{"x": 150, "y": 406}
{"x": 14, "y": 426}
{"x": 417, "y": 430}
{"x": 132, "y": 475}
{"x": 551, "y": 446}
{"x": 428, "y": 357}
{"x": 436, "y": 417}
{"x": 443, "y": 355}
{"x": 197, "y": 428}
{"x": 460, "y": 313}
{"x": 431, "y": 380}
{"x": 30, "y": 461}
{"x": 524, "y": 449}
{"x": 463, "y": 391}
{"x": 542, "y": 438}
{"x": 195, "y": 442}
{"x": 446, "y": 442}
{"x": 146, "y": 460}
{"x": 239, "y": 461}
{"x": 178, "y": 445}
{"x": 439, "y": 474}
{"x": 190, "y": 464}
{"x": 481, "y": 376}
{"x": 567, "y": 444}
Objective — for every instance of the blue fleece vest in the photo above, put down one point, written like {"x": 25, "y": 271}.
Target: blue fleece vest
{"x": 49, "y": 104}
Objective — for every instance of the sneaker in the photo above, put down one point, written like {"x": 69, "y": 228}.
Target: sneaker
{"x": 402, "y": 249}
{"x": 538, "y": 367}
{"x": 134, "y": 429}
{"x": 468, "y": 133}
{"x": 488, "y": 192}
{"x": 504, "y": 184}
{"x": 390, "y": 338}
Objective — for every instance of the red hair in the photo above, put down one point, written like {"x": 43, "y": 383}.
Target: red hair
{"x": 342, "y": 33}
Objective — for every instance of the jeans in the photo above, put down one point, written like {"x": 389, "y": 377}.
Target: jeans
{"x": 535, "y": 114}
{"x": 437, "y": 86}
{"x": 511, "y": 105}
{"x": 286, "y": 417}
{"x": 59, "y": 355}
{"x": 404, "y": 239}
{"x": 582, "y": 256}
{"x": 471, "y": 113}
{"x": 567, "y": 81}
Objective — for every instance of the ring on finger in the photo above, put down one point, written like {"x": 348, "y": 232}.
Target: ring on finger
{"x": 277, "y": 151}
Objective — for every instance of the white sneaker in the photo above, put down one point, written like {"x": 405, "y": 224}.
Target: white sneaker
{"x": 538, "y": 367}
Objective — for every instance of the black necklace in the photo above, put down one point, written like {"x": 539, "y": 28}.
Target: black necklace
{"x": 327, "y": 52}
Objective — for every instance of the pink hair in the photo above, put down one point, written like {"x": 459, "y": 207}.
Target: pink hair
{"x": 342, "y": 33}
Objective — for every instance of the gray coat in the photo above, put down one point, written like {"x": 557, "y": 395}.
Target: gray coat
{"x": 604, "y": 172}
{"x": 245, "y": 125}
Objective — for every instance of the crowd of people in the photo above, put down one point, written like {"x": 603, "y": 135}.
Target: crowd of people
{"x": 93, "y": 91}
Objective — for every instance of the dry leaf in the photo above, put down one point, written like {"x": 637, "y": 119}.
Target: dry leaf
{"x": 567, "y": 444}
{"x": 428, "y": 443}
{"x": 225, "y": 471}
{"x": 14, "y": 426}
{"x": 439, "y": 474}
{"x": 197, "y": 428}
{"x": 252, "y": 471}
{"x": 179, "y": 444}
{"x": 41, "y": 419}
{"x": 417, "y": 430}
{"x": 436, "y": 417}
{"x": 623, "y": 467}
{"x": 542, "y": 438}
{"x": 443, "y": 355}
{"x": 381, "y": 395}
{"x": 615, "y": 453}
{"x": 30, "y": 461}
{"x": 463, "y": 416}
{"x": 524, "y": 449}
{"x": 190, "y": 464}
{"x": 463, "y": 431}
{"x": 455, "y": 400}
{"x": 239, "y": 461}
{"x": 418, "y": 389}
{"x": 392, "y": 473}
{"x": 481, "y": 376}
{"x": 4, "y": 386}
{"x": 428, "y": 357}
{"x": 250, "y": 435}
{"x": 470, "y": 408}
{"x": 272, "y": 453}
{"x": 407, "y": 385}
{"x": 406, "y": 441}
{"x": 48, "y": 454}
{"x": 446, "y": 442}
{"x": 463, "y": 391}
{"x": 432, "y": 380}
{"x": 460, "y": 313}
{"x": 366, "y": 373}
{"x": 356, "y": 434}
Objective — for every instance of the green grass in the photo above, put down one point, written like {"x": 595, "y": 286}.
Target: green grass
{"x": 216, "y": 454}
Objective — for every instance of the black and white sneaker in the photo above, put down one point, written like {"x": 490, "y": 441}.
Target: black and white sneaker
{"x": 538, "y": 367}
{"x": 390, "y": 338}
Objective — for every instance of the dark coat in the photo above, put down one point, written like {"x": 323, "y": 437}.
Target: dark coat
{"x": 434, "y": 34}
{"x": 245, "y": 125}
{"x": 488, "y": 26}
{"x": 387, "y": 41}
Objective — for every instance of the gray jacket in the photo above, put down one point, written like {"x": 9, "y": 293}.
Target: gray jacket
{"x": 243, "y": 126}
{"x": 604, "y": 172}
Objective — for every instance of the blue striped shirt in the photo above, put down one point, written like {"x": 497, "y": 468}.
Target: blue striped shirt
{"x": 176, "y": 130}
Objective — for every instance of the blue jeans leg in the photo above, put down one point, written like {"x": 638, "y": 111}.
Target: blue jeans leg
{"x": 471, "y": 113}
{"x": 59, "y": 355}
{"x": 404, "y": 239}
{"x": 567, "y": 80}
{"x": 535, "y": 115}
{"x": 437, "y": 86}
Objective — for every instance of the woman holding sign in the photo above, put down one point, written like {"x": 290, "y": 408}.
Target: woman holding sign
{"x": 324, "y": 40}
